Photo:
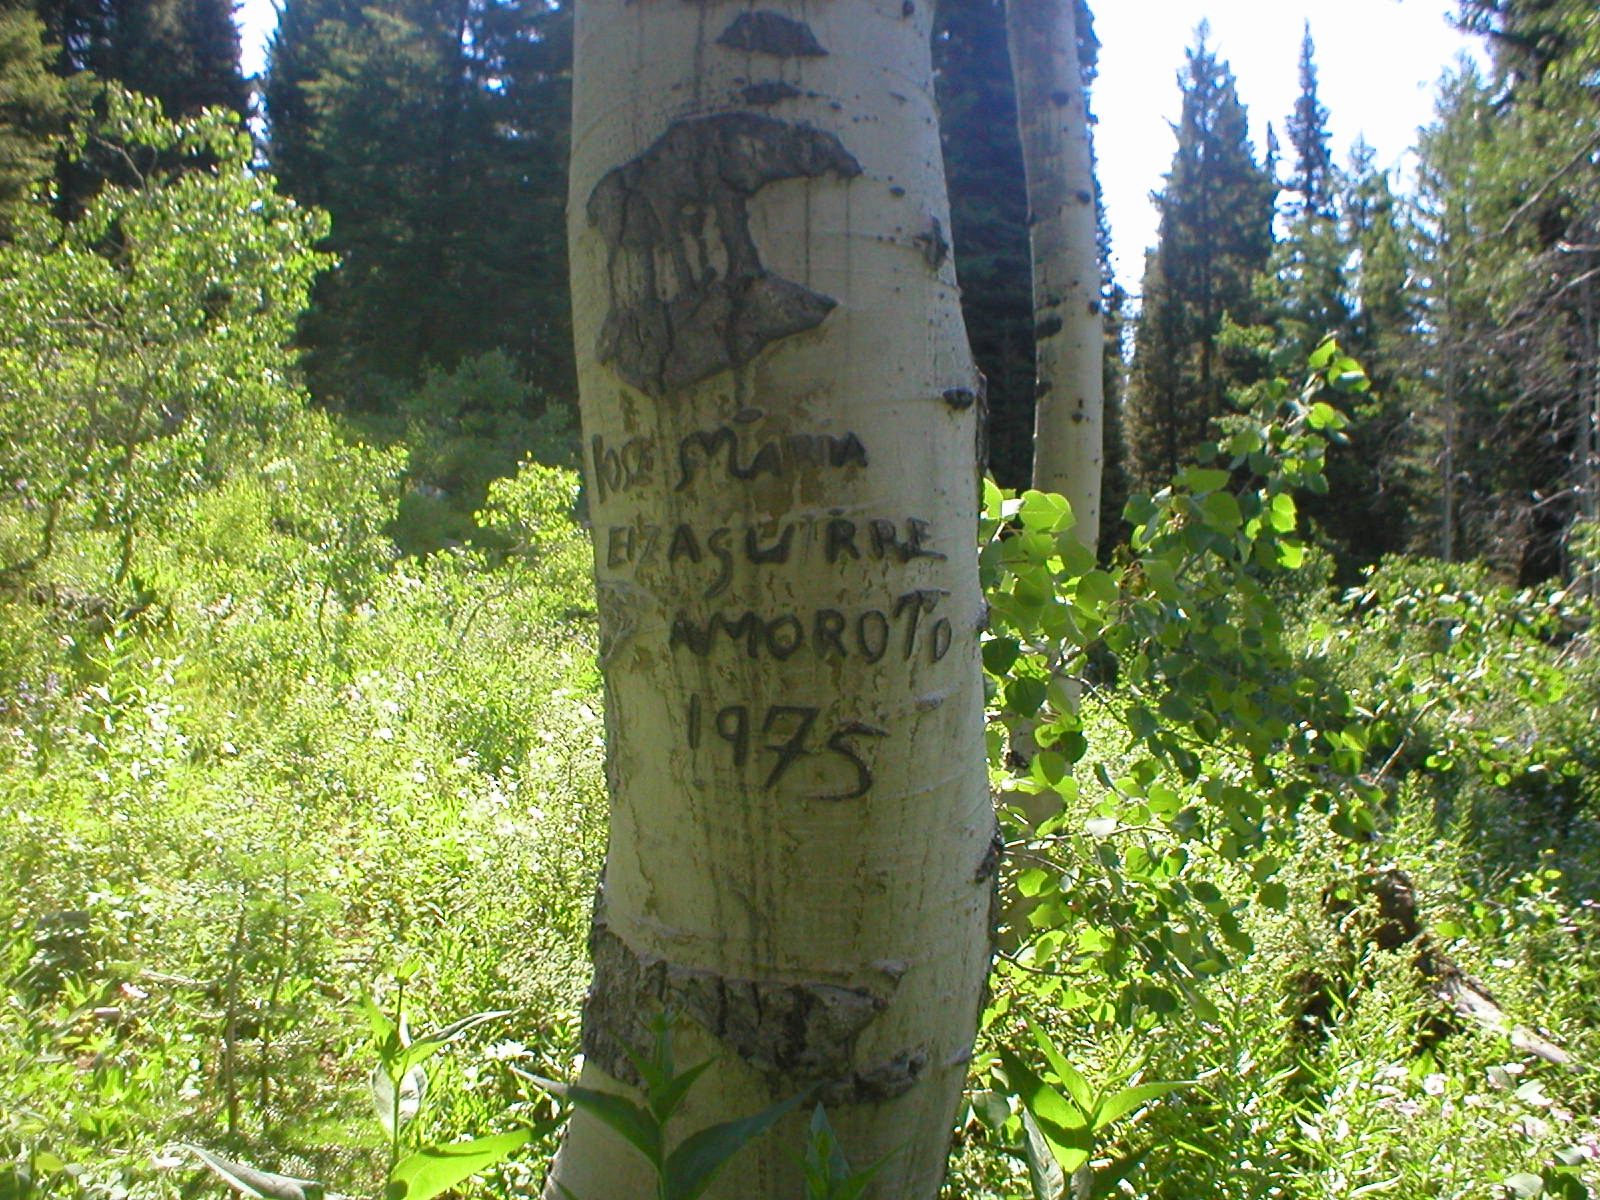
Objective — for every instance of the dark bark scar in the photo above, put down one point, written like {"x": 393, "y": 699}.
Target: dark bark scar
{"x": 683, "y": 309}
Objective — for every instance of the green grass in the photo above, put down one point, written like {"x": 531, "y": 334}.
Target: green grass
{"x": 232, "y": 814}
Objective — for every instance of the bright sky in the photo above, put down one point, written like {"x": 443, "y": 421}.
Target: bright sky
{"x": 1377, "y": 64}
{"x": 1377, "y": 61}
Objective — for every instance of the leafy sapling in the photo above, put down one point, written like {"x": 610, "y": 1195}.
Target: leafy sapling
{"x": 687, "y": 1170}
{"x": 828, "y": 1174}
{"x": 1063, "y": 1125}
{"x": 399, "y": 1088}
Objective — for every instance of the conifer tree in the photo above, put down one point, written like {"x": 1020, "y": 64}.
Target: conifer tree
{"x": 1312, "y": 185}
{"x": 1510, "y": 199}
{"x": 185, "y": 53}
{"x": 1304, "y": 292}
{"x": 297, "y": 55}
{"x": 1456, "y": 412}
{"x": 434, "y": 134}
{"x": 1366, "y": 260}
{"x": 1215, "y": 237}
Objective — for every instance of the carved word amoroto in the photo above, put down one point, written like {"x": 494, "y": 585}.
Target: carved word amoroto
{"x": 866, "y": 635}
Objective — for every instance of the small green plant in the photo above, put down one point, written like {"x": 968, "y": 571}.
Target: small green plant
{"x": 685, "y": 1171}
{"x": 399, "y": 1087}
{"x": 828, "y": 1174}
{"x": 1064, "y": 1125}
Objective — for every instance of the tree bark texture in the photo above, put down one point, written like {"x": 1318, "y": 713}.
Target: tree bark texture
{"x": 1069, "y": 328}
{"x": 779, "y": 422}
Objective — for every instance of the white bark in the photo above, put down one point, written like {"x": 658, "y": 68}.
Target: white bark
{"x": 1069, "y": 330}
{"x": 779, "y": 428}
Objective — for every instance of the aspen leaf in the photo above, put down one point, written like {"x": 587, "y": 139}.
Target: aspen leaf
{"x": 1045, "y": 512}
{"x": 1324, "y": 416}
{"x": 1203, "y": 479}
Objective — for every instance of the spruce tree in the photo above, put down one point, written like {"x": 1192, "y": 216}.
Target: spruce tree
{"x": 1311, "y": 186}
{"x": 1340, "y": 270}
{"x": 1304, "y": 292}
{"x": 1375, "y": 478}
{"x": 297, "y": 55}
{"x": 1347, "y": 275}
{"x": 185, "y": 53}
{"x": 434, "y": 134}
{"x": 1215, "y": 238}
{"x": 1480, "y": 508}
{"x": 1383, "y": 309}
{"x": 1510, "y": 200}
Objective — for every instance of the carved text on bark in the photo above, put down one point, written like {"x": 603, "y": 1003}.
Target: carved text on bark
{"x": 682, "y": 307}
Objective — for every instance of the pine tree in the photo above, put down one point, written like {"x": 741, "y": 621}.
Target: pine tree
{"x": 1364, "y": 262}
{"x": 31, "y": 107}
{"x": 1311, "y": 186}
{"x": 1465, "y": 386}
{"x": 1383, "y": 307}
{"x": 1511, "y": 207}
{"x": 434, "y": 134}
{"x": 185, "y": 53}
{"x": 1527, "y": 38}
{"x": 297, "y": 55}
{"x": 1215, "y": 238}
{"x": 1304, "y": 292}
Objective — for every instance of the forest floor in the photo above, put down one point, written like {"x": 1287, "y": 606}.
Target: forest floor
{"x": 248, "y": 794}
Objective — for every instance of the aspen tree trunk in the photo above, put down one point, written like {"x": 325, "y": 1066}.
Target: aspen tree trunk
{"x": 1069, "y": 331}
{"x": 779, "y": 424}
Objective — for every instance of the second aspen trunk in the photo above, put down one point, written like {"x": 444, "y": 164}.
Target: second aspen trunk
{"x": 1069, "y": 330}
